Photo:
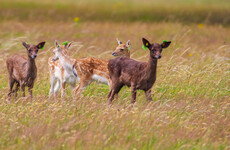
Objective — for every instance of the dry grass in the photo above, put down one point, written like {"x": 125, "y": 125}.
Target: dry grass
{"x": 191, "y": 95}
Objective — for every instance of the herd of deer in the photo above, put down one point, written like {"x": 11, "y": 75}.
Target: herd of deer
{"x": 64, "y": 70}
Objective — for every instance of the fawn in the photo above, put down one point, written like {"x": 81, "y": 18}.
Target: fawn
{"x": 86, "y": 70}
{"x": 59, "y": 77}
{"x": 94, "y": 69}
{"x": 23, "y": 71}
{"x": 134, "y": 74}
{"x": 122, "y": 49}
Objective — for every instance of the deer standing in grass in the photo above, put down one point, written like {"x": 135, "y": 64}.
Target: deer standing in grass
{"x": 23, "y": 71}
{"x": 134, "y": 74}
{"x": 86, "y": 70}
{"x": 59, "y": 77}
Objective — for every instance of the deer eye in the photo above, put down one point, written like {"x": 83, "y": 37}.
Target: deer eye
{"x": 36, "y": 51}
{"x": 30, "y": 51}
{"x": 121, "y": 50}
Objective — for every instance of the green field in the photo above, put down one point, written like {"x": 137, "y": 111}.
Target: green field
{"x": 186, "y": 11}
{"x": 191, "y": 97}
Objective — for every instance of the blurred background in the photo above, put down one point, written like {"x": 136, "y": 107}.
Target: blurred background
{"x": 185, "y": 11}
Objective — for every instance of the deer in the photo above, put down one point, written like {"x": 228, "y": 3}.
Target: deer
{"x": 23, "y": 71}
{"x": 85, "y": 70}
{"x": 59, "y": 77}
{"x": 122, "y": 49}
{"x": 94, "y": 69}
{"x": 137, "y": 75}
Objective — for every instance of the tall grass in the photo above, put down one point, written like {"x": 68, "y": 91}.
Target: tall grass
{"x": 191, "y": 95}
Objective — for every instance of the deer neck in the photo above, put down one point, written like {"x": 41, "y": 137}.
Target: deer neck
{"x": 31, "y": 68}
{"x": 66, "y": 62}
{"x": 128, "y": 54}
{"x": 152, "y": 66}
{"x": 31, "y": 63}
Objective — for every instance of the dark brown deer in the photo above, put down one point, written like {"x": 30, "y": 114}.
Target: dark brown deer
{"x": 134, "y": 74}
{"x": 23, "y": 71}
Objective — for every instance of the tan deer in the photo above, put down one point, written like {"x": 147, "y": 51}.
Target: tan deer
{"x": 86, "y": 70}
{"x": 59, "y": 77}
{"x": 122, "y": 49}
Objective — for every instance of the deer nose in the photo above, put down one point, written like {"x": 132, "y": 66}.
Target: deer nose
{"x": 159, "y": 56}
{"x": 54, "y": 59}
{"x": 35, "y": 56}
{"x": 114, "y": 54}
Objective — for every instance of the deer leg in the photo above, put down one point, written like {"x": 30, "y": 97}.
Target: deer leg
{"x": 148, "y": 95}
{"x": 30, "y": 88}
{"x": 133, "y": 94}
{"x": 63, "y": 90}
{"x": 52, "y": 83}
{"x": 114, "y": 92}
{"x": 110, "y": 96}
{"x": 81, "y": 87}
{"x": 22, "y": 88}
{"x": 11, "y": 84}
{"x": 72, "y": 89}
{"x": 16, "y": 89}
{"x": 56, "y": 88}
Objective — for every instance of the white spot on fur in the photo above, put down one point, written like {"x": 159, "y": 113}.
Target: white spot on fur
{"x": 100, "y": 79}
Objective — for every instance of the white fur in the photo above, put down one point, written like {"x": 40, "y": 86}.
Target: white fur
{"x": 100, "y": 79}
{"x": 56, "y": 81}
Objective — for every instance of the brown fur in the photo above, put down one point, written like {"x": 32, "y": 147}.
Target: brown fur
{"x": 134, "y": 74}
{"x": 23, "y": 71}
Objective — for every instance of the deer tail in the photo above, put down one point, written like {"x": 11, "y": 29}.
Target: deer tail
{"x": 74, "y": 71}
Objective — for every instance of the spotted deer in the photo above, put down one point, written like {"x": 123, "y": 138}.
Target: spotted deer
{"x": 85, "y": 70}
{"x": 59, "y": 77}
{"x": 122, "y": 49}
{"x": 23, "y": 71}
{"x": 134, "y": 74}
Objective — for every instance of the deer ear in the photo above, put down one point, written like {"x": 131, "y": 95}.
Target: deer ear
{"x": 146, "y": 43}
{"x": 26, "y": 45}
{"x": 165, "y": 44}
{"x": 41, "y": 45}
{"x": 68, "y": 45}
{"x": 128, "y": 44}
{"x": 119, "y": 42}
{"x": 56, "y": 43}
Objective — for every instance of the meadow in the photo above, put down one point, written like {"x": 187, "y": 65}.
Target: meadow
{"x": 191, "y": 97}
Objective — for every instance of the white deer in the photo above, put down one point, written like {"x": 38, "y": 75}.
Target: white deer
{"x": 59, "y": 77}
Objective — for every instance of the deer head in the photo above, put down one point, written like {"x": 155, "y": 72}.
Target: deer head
{"x": 155, "y": 48}
{"x": 122, "y": 49}
{"x": 60, "y": 49}
{"x": 32, "y": 50}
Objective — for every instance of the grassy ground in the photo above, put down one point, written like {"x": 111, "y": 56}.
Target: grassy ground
{"x": 191, "y": 95}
